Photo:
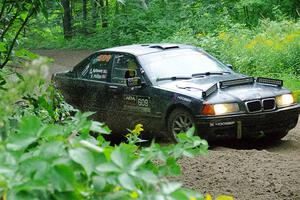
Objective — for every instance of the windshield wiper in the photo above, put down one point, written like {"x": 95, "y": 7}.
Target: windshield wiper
{"x": 210, "y": 73}
{"x": 174, "y": 78}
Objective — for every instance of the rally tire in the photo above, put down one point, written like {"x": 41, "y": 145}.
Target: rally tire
{"x": 180, "y": 120}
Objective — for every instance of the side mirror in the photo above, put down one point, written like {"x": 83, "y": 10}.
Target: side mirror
{"x": 229, "y": 66}
{"x": 133, "y": 82}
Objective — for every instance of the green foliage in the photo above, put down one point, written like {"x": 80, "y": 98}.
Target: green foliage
{"x": 139, "y": 21}
{"x": 61, "y": 161}
{"x": 297, "y": 95}
{"x": 14, "y": 16}
{"x": 16, "y": 87}
{"x": 270, "y": 50}
{"x": 254, "y": 46}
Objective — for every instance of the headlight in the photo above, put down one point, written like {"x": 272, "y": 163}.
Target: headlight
{"x": 285, "y": 100}
{"x": 220, "y": 109}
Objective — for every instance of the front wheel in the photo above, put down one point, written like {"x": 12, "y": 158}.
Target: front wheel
{"x": 179, "y": 121}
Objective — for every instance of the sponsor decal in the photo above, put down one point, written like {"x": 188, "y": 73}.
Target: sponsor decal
{"x": 130, "y": 98}
{"x": 137, "y": 103}
{"x": 104, "y": 58}
{"x": 182, "y": 98}
{"x": 98, "y": 73}
{"x": 212, "y": 124}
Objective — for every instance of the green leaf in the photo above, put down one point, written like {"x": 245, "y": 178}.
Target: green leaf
{"x": 52, "y": 131}
{"x": 30, "y": 125}
{"x": 30, "y": 129}
{"x": 190, "y": 153}
{"x": 169, "y": 188}
{"x": 62, "y": 178}
{"x": 23, "y": 53}
{"x": 23, "y": 15}
{"x": 190, "y": 132}
{"x": 89, "y": 145}
{"x": 126, "y": 182}
{"x": 148, "y": 176}
{"x": 32, "y": 185}
{"x": 99, "y": 183}
{"x": 35, "y": 167}
{"x": 183, "y": 194}
{"x": 174, "y": 168}
{"x": 2, "y": 82}
{"x": 182, "y": 137}
{"x": 180, "y": 195}
{"x": 7, "y": 171}
{"x": 2, "y": 47}
{"x": 21, "y": 195}
{"x": 68, "y": 195}
{"x": 20, "y": 76}
{"x": 52, "y": 150}
{"x": 107, "y": 167}
{"x": 137, "y": 163}
{"x": 83, "y": 157}
{"x": 102, "y": 142}
{"x": 99, "y": 128}
{"x": 119, "y": 157}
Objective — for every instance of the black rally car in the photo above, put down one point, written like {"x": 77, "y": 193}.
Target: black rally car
{"x": 170, "y": 88}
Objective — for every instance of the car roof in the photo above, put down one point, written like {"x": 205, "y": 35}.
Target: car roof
{"x": 142, "y": 49}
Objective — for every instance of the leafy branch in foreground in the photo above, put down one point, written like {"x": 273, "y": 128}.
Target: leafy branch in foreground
{"x": 62, "y": 161}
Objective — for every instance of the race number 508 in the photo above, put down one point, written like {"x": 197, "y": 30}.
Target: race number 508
{"x": 143, "y": 102}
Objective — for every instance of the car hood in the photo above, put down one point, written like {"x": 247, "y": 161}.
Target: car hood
{"x": 195, "y": 88}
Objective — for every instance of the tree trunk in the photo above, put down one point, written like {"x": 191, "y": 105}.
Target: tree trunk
{"x": 84, "y": 16}
{"x": 117, "y": 7}
{"x": 94, "y": 13}
{"x": 102, "y": 14}
{"x": 84, "y": 9}
{"x": 2, "y": 9}
{"x": 297, "y": 8}
{"x": 72, "y": 8}
{"x": 67, "y": 19}
{"x": 105, "y": 15}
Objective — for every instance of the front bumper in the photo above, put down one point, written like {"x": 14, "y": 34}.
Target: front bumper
{"x": 247, "y": 125}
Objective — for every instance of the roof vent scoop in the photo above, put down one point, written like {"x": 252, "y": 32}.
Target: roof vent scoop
{"x": 164, "y": 46}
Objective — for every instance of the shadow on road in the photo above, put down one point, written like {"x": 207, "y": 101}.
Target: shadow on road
{"x": 285, "y": 145}
{"x": 272, "y": 146}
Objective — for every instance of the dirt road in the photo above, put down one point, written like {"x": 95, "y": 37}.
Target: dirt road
{"x": 245, "y": 171}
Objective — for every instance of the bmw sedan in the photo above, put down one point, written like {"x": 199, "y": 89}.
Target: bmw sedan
{"x": 170, "y": 88}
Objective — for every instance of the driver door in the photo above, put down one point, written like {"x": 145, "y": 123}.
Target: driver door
{"x": 128, "y": 106}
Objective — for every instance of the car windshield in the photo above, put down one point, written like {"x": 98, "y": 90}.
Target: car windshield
{"x": 168, "y": 65}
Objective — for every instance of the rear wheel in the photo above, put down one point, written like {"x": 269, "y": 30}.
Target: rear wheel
{"x": 276, "y": 135}
{"x": 179, "y": 121}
